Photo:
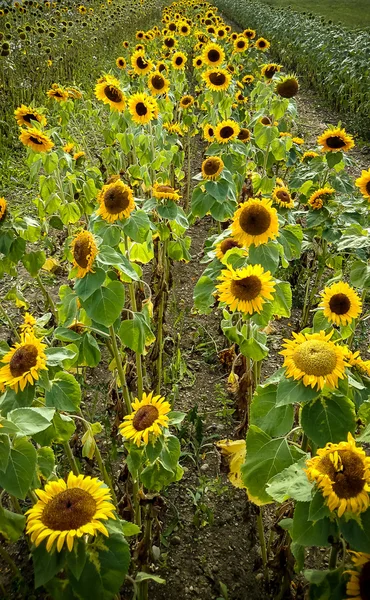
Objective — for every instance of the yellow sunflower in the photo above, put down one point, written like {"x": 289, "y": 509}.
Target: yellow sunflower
{"x": 246, "y": 289}
{"x": 262, "y": 44}
{"x": 287, "y": 86}
{"x": 169, "y": 42}
{"x": 24, "y": 115}
{"x": 270, "y": 69}
{"x": 23, "y": 362}
{"x": 308, "y": 156}
{"x": 173, "y": 128}
{"x": 116, "y": 201}
{"x": 209, "y": 133}
{"x": 57, "y": 93}
{"x": 212, "y": 167}
{"x": 241, "y": 44}
{"x": 186, "y": 101}
{"x": 158, "y": 84}
{"x": 3, "y": 208}
{"x": 141, "y": 108}
{"x": 335, "y": 140}
{"x": 315, "y": 359}
{"x": 234, "y": 451}
{"x": 213, "y": 55}
{"x": 28, "y": 323}
{"x": 109, "y": 92}
{"x": 198, "y": 62}
{"x": 255, "y": 222}
{"x": 282, "y": 197}
{"x": 84, "y": 251}
{"x": 35, "y": 139}
{"x": 222, "y": 247}
{"x": 140, "y": 64}
{"x": 121, "y": 62}
{"x": 249, "y": 33}
{"x": 179, "y": 60}
{"x": 226, "y": 131}
{"x": 165, "y": 192}
{"x": 363, "y": 183}
{"x": 217, "y": 79}
{"x": 248, "y": 79}
{"x": 148, "y": 419}
{"x": 341, "y": 303}
{"x": 359, "y": 584}
{"x": 183, "y": 29}
{"x": 342, "y": 473}
{"x": 317, "y": 199}
{"x": 244, "y": 135}
{"x": 66, "y": 511}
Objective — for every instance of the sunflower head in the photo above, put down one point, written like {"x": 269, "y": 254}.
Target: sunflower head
{"x": 165, "y": 192}
{"x": 363, "y": 183}
{"x": 24, "y": 115}
{"x": 35, "y": 139}
{"x": 262, "y": 44}
{"x": 23, "y": 363}
{"x": 226, "y": 131}
{"x": 116, "y": 201}
{"x": 121, "y": 62}
{"x": 249, "y": 33}
{"x": 178, "y": 61}
{"x": 217, "y": 79}
{"x": 226, "y": 244}
{"x": 198, "y": 62}
{"x": 209, "y": 132}
{"x": 270, "y": 69}
{"x": 107, "y": 89}
{"x": 255, "y": 222}
{"x": 147, "y": 420}
{"x": 241, "y": 44}
{"x": 317, "y": 199}
{"x": 140, "y": 64}
{"x": 187, "y": 101}
{"x": 158, "y": 84}
{"x": 341, "y": 303}
{"x": 213, "y": 54}
{"x": 359, "y": 584}
{"x": 287, "y": 87}
{"x": 282, "y": 197}
{"x": 3, "y": 208}
{"x": 246, "y": 289}
{"x": 335, "y": 140}
{"x": 308, "y": 156}
{"x": 244, "y": 135}
{"x": 212, "y": 167}
{"x": 142, "y": 108}
{"x": 57, "y": 93}
{"x": 84, "y": 251}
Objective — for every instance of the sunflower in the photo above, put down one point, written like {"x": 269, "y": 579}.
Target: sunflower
{"x": 57, "y": 93}
{"x": 226, "y": 244}
{"x": 341, "y": 303}
{"x": 158, "y": 84}
{"x": 165, "y": 192}
{"x": 186, "y": 101}
{"x": 240, "y": 98}
{"x": 335, "y": 140}
{"x": 244, "y": 135}
{"x": 359, "y": 584}
{"x": 316, "y": 200}
{"x": 221, "y": 32}
{"x": 121, "y": 62}
{"x": 28, "y": 324}
{"x": 23, "y": 362}
{"x": 173, "y": 128}
{"x": 35, "y": 139}
{"x": 313, "y": 358}
{"x": 24, "y": 115}
{"x": 262, "y": 44}
{"x": 246, "y": 289}
{"x": 116, "y": 201}
{"x": 212, "y": 167}
{"x": 69, "y": 510}
{"x": 342, "y": 472}
{"x": 198, "y": 62}
{"x": 169, "y": 43}
{"x": 226, "y": 131}
{"x": 148, "y": 418}
{"x": 140, "y": 35}
{"x": 287, "y": 87}
{"x": 109, "y": 92}
{"x": 270, "y": 69}
{"x": 363, "y": 183}
{"x": 84, "y": 251}
{"x": 217, "y": 79}
{"x": 308, "y": 156}
{"x": 183, "y": 29}
{"x": 178, "y": 61}
{"x": 248, "y": 79}
{"x": 209, "y": 133}
{"x": 78, "y": 155}
{"x": 249, "y": 33}
{"x": 255, "y": 222}
{"x": 241, "y": 44}
{"x": 140, "y": 64}
{"x": 3, "y": 208}
{"x": 141, "y": 108}
{"x": 282, "y": 197}
{"x": 235, "y": 452}
{"x": 213, "y": 55}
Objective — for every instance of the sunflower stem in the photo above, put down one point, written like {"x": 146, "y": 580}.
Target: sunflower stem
{"x": 333, "y": 555}
{"x": 188, "y": 171}
{"x": 49, "y": 301}
{"x": 161, "y": 317}
{"x": 31, "y": 494}
{"x": 13, "y": 567}
{"x": 261, "y": 534}
{"x": 356, "y": 322}
{"x": 10, "y": 322}
{"x": 120, "y": 370}
{"x": 104, "y": 472}
{"x": 304, "y": 444}
{"x": 71, "y": 458}
{"x": 139, "y": 370}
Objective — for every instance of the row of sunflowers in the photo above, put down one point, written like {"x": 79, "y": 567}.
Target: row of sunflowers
{"x": 115, "y": 198}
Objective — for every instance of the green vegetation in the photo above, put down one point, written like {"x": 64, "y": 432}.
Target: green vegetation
{"x": 354, "y": 14}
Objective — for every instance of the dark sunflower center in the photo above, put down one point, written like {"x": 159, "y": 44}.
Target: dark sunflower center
{"x": 141, "y": 63}
{"x": 228, "y": 244}
{"x": 211, "y": 133}
{"x": 221, "y": 33}
{"x": 121, "y": 63}
{"x": 112, "y": 93}
{"x": 186, "y": 100}
{"x": 315, "y": 357}
{"x": 270, "y": 72}
{"x": 283, "y": 196}
{"x": 364, "y": 581}
{"x": 240, "y": 44}
{"x": 165, "y": 189}
{"x": 226, "y": 132}
{"x": 266, "y": 121}
{"x": 158, "y": 82}
{"x": 339, "y": 304}
{"x": 23, "y": 360}
{"x": 213, "y": 55}
{"x": 184, "y": 29}
{"x": 116, "y": 201}
{"x": 347, "y": 475}
{"x": 217, "y": 78}
{"x": 145, "y": 417}
{"x": 169, "y": 42}
{"x": 288, "y": 88}
{"x": 172, "y": 27}
{"x": 199, "y": 61}
{"x": 247, "y": 288}
{"x": 141, "y": 109}
{"x": 255, "y": 220}
{"x": 81, "y": 252}
{"x": 36, "y": 140}
{"x": 211, "y": 166}
{"x": 70, "y": 509}
{"x": 244, "y": 135}
{"x": 261, "y": 44}
{"x": 29, "y": 117}
{"x": 178, "y": 60}
{"x": 335, "y": 142}
{"x": 367, "y": 187}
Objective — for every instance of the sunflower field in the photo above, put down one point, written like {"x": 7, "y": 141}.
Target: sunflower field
{"x": 184, "y": 288}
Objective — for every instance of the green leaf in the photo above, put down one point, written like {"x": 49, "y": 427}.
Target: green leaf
{"x": 45, "y": 564}
{"x": 33, "y": 261}
{"x": 129, "y": 529}
{"x": 45, "y": 461}
{"x": 17, "y": 477}
{"x": 31, "y": 420}
{"x": 141, "y": 576}
{"x": 105, "y": 305}
{"x": 360, "y": 274}
{"x": 328, "y": 419}
{"x": 4, "y": 450}
{"x": 203, "y": 294}
{"x": 137, "y": 226}
{"x": 266, "y": 255}
{"x": 134, "y": 332}
{"x": 110, "y": 257}
{"x": 273, "y": 420}
{"x": 11, "y": 524}
{"x": 201, "y": 202}
{"x": 282, "y": 302}
{"x": 76, "y": 559}
{"x": 326, "y": 585}
{"x": 90, "y": 354}
{"x": 57, "y": 356}
{"x": 155, "y": 477}
{"x": 318, "y": 508}
{"x": 291, "y": 391}
{"x": 291, "y": 483}
{"x": 357, "y": 531}
{"x": 170, "y": 453}
{"x": 308, "y": 533}
{"x": 86, "y": 286}
{"x": 64, "y": 393}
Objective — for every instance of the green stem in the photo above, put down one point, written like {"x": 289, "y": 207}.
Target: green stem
{"x": 104, "y": 472}
{"x": 31, "y": 494}
{"x": 304, "y": 444}
{"x": 261, "y": 534}
{"x": 249, "y": 378}
{"x": 333, "y": 556}
{"x": 16, "y": 505}
{"x": 187, "y": 199}
{"x": 139, "y": 370}
{"x": 71, "y": 458}
{"x": 10, "y": 322}
{"x": 161, "y": 317}
{"x": 49, "y": 301}
{"x": 352, "y": 336}
{"x": 13, "y": 567}
{"x": 120, "y": 370}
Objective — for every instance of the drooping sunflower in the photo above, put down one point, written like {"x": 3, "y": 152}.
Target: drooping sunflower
{"x": 186, "y": 101}
{"x": 158, "y": 84}
{"x": 141, "y": 108}
{"x": 309, "y": 155}
{"x": 179, "y": 60}
{"x": 173, "y": 128}
{"x": 363, "y": 183}
{"x": 107, "y": 89}
{"x": 262, "y": 44}
{"x": 165, "y": 192}
{"x": 147, "y": 420}
{"x": 244, "y": 135}
{"x": 255, "y": 222}
{"x": 241, "y": 44}
{"x": 246, "y": 289}
{"x": 270, "y": 69}
{"x": 248, "y": 79}
{"x": 359, "y": 584}
{"x": 66, "y": 511}
{"x": 23, "y": 363}
{"x": 209, "y": 132}
{"x": 314, "y": 359}
{"x": 121, "y": 62}
{"x": 24, "y": 115}
{"x": 227, "y": 244}
{"x": 35, "y": 139}
{"x": 213, "y": 54}
{"x": 341, "y": 303}
{"x": 335, "y": 140}
{"x": 3, "y": 208}
{"x": 282, "y": 197}
{"x": 317, "y": 199}
{"x": 226, "y": 131}
{"x": 140, "y": 63}
{"x": 217, "y": 79}
{"x": 342, "y": 473}
{"x": 212, "y": 167}
{"x": 116, "y": 201}
{"x": 84, "y": 251}
{"x": 57, "y": 93}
